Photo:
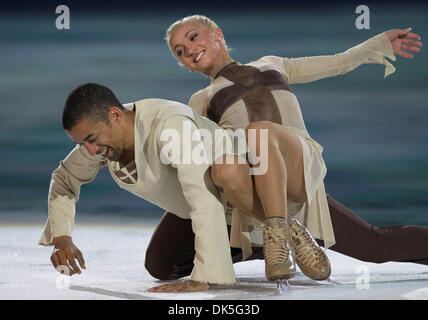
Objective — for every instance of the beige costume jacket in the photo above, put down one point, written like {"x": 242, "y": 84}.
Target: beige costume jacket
{"x": 167, "y": 177}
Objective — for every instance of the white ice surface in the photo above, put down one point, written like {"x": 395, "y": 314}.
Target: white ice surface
{"x": 115, "y": 270}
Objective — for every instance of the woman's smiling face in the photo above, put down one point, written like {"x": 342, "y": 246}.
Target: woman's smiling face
{"x": 197, "y": 47}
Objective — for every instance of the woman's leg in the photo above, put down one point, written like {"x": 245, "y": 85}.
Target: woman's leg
{"x": 358, "y": 239}
{"x": 233, "y": 179}
{"x": 283, "y": 177}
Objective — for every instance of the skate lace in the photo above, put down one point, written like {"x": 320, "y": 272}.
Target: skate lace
{"x": 305, "y": 248}
{"x": 275, "y": 244}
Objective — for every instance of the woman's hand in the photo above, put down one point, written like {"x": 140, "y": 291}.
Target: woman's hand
{"x": 404, "y": 40}
{"x": 181, "y": 286}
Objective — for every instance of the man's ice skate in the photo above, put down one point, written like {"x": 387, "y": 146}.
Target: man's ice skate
{"x": 310, "y": 258}
{"x": 278, "y": 252}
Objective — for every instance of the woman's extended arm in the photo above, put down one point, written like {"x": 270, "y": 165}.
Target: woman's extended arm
{"x": 373, "y": 50}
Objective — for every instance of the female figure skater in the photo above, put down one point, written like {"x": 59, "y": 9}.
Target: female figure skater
{"x": 243, "y": 95}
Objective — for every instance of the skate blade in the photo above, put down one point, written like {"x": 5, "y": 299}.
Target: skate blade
{"x": 282, "y": 286}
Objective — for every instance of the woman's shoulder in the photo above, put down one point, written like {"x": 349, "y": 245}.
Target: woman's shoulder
{"x": 199, "y": 100}
{"x": 271, "y": 63}
{"x": 199, "y": 95}
{"x": 270, "y": 59}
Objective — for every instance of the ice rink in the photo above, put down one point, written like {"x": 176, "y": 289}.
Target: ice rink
{"x": 114, "y": 256}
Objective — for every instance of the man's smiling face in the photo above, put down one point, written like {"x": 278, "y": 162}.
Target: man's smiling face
{"x": 98, "y": 138}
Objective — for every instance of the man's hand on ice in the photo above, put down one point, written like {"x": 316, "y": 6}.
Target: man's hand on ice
{"x": 404, "y": 40}
{"x": 65, "y": 255}
{"x": 181, "y": 286}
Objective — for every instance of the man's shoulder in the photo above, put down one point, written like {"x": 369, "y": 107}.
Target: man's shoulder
{"x": 155, "y": 111}
{"x": 156, "y": 107}
{"x": 154, "y": 103}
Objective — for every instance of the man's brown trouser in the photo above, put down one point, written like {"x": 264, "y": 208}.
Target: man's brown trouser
{"x": 171, "y": 250}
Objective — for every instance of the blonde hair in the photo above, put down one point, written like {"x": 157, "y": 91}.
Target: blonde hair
{"x": 203, "y": 20}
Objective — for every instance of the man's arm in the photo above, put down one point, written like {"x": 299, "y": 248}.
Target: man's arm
{"x": 77, "y": 168}
{"x": 213, "y": 263}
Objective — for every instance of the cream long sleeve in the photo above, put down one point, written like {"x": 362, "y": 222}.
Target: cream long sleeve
{"x": 307, "y": 69}
{"x": 78, "y": 168}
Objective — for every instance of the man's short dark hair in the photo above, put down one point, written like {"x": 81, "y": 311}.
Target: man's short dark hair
{"x": 91, "y": 101}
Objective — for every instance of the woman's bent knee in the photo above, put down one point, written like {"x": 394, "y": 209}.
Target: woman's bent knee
{"x": 228, "y": 172}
